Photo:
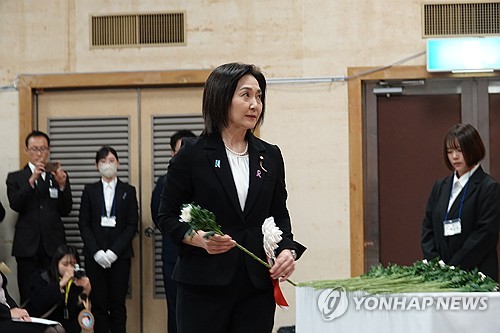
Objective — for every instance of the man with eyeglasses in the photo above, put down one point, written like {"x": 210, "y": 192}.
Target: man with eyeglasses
{"x": 40, "y": 193}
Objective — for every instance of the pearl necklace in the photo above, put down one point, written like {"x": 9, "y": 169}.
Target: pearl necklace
{"x": 245, "y": 152}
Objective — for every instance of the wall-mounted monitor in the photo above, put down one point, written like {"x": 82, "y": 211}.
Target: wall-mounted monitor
{"x": 481, "y": 54}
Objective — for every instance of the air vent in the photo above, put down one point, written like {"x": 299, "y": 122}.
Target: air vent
{"x": 460, "y": 19}
{"x": 133, "y": 30}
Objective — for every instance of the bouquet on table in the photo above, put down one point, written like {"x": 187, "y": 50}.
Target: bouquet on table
{"x": 201, "y": 219}
{"x": 422, "y": 276}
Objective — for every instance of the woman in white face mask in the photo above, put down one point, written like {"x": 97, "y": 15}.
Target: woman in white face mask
{"x": 108, "y": 223}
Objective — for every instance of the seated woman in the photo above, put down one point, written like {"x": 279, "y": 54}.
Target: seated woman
{"x": 58, "y": 293}
{"x": 15, "y": 319}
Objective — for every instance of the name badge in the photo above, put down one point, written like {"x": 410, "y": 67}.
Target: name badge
{"x": 86, "y": 320}
{"x": 53, "y": 192}
{"x": 109, "y": 222}
{"x": 452, "y": 227}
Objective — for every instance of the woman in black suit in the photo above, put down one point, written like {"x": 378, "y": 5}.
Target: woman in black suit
{"x": 462, "y": 217}
{"x": 241, "y": 179}
{"x": 108, "y": 223}
{"x": 14, "y": 319}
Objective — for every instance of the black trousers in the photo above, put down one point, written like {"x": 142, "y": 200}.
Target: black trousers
{"x": 237, "y": 308}
{"x": 108, "y": 296}
{"x": 171, "y": 294}
{"x": 26, "y": 267}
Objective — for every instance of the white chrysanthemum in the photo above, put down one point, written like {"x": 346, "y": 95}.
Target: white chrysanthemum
{"x": 441, "y": 263}
{"x": 425, "y": 261}
{"x": 272, "y": 236}
{"x": 482, "y": 276}
{"x": 186, "y": 214}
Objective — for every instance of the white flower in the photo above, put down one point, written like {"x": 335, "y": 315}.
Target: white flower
{"x": 482, "y": 276}
{"x": 425, "y": 261}
{"x": 272, "y": 236}
{"x": 442, "y": 263}
{"x": 186, "y": 213}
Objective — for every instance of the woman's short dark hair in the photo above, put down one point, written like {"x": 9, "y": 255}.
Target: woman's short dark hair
{"x": 219, "y": 90}
{"x": 103, "y": 152}
{"x": 466, "y": 138}
{"x": 61, "y": 252}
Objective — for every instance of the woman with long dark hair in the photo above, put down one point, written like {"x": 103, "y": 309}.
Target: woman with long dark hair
{"x": 61, "y": 292}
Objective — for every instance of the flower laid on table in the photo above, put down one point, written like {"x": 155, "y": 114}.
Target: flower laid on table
{"x": 201, "y": 219}
{"x": 423, "y": 276}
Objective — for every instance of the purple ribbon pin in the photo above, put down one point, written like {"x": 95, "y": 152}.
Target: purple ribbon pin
{"x": 259, "y": 174}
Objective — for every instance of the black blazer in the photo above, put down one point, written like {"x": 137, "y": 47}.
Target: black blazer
{"x": 39, "y": 215}
{"x": 4, "y": 309}
{"x": 476, "y": 245}
{"x": 169, "y": 250}
{"x": 117, "y": 239}
{"x": 46, "y": 294}
{"x": 200, "y": 173}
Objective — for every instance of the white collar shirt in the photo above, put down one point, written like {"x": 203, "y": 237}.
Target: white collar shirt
{"x": 459, "y": 184}
{"x": 109, "y": 194}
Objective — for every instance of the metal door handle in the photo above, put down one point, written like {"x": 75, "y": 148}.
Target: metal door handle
{"x": 149, "y": 232}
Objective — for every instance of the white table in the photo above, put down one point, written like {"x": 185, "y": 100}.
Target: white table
{"x": 397, "y": 313}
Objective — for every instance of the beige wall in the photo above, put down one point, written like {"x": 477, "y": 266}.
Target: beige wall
{"x": 286, "y": 38}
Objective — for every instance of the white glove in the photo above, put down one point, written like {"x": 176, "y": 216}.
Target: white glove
{"x": 102, "y": 259}
{"x": 111, "y": 256}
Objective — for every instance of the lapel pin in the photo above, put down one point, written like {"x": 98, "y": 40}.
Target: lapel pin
{"x": 259, "y": 174}
{"x": 261, "y": 166}
{"x": 217, "y": 163}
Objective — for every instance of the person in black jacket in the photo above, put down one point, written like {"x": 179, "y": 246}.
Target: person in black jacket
{"x": 16, "y": 320}
{"x": 108, "y": 221}
{"x": 60, "y": 293}
{"x": 241, "y": 179}
{"x": 462, "y": 217}
{"x": 40, "y": 197}
{"x": 169, "y": 250}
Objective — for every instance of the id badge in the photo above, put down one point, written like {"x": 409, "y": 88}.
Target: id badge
{"x": 452, "y": 227}
{"x": 109, "y": 222}
{"x": 54, "y": 194}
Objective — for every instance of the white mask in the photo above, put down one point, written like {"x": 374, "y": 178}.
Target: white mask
{"x": 108, "y": 170}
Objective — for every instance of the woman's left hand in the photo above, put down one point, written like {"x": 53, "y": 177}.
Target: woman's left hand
{"x": 283, "y": 266}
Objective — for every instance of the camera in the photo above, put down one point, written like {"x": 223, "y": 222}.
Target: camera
{"x": 51, "y": 166}
{"x": 79, "y": 272}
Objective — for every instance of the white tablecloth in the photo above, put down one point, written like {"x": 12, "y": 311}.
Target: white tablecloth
{"x": 403, "y": 313}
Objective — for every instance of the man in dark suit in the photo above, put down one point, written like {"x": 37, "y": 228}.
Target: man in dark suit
{"x": 108, "y": 223}
{"x": 169, "y": 250}
{"x": 40, "y": 197}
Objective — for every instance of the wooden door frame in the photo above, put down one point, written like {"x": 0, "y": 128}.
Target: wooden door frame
{"x": 357, "y": 76}
{"x": 28, "y": 85}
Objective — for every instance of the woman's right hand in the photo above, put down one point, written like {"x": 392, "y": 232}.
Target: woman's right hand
{"x": 22, "y": 314}
{"x": 68, "y": 275}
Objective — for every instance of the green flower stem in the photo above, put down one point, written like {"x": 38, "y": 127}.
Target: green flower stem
{"x": 260, "y": 260}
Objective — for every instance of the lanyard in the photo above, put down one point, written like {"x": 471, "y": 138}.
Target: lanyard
{"x": 67, "y": 292}
{"x": 113, "y": 206}
{"x": 461, "y": 200}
